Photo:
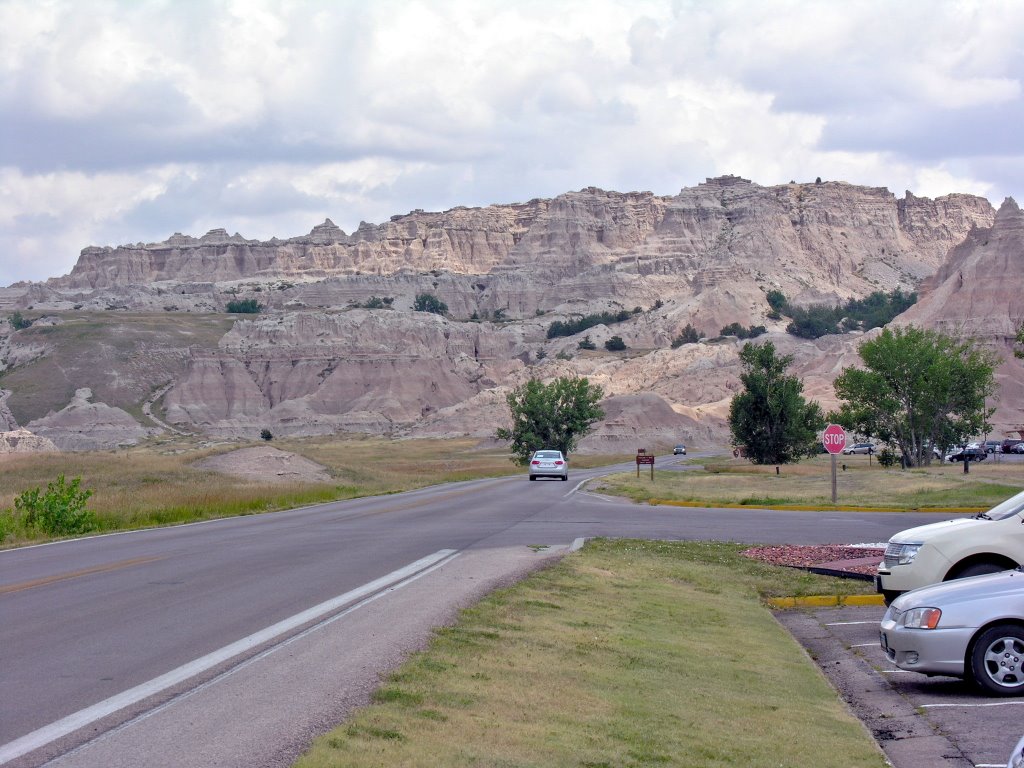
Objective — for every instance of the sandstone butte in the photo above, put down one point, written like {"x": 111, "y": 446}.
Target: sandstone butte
{"x": 316, "y": 361}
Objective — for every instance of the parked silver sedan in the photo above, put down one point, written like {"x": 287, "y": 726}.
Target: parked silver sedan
{"x": 969, "y": 628}
{"x": 549, "y": 464}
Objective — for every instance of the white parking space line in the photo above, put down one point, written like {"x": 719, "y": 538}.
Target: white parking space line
{"x": 972, "y": 706}
{"x": 73, "y": 722}
{"x": 866, "y": 645}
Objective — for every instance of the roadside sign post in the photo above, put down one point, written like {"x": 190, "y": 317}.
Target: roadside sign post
{"x": 834, "y": 440}
{"x": 643, "y": 457}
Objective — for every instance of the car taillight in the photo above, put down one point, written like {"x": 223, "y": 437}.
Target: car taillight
{"x": 535, "y": 462}
{"x": 558, "y": 463}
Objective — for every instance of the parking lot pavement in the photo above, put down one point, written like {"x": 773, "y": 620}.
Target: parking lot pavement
{"x": 919, "y": 721}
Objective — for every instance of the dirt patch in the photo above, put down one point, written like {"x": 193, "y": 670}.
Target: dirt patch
{"x": 268, "y": 465}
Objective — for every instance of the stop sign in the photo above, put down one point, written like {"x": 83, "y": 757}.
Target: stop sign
{"x": 834, "y": 438}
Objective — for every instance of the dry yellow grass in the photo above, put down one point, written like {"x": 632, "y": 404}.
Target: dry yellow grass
{"x": 158, "y": 484}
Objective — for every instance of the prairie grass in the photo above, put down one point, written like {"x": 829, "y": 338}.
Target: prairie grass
{"x": 158, "y": 484}
{"x": 628, "y": 653}
{"x": 862, "y": 484}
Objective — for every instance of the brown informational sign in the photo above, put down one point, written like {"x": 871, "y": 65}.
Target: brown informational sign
{"x": 643, "y": 457}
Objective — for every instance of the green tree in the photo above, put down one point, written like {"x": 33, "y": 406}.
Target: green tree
{"x": 586, "y": 343}
{"x": 427, "y": 302}
{"x": 615, "y": 344}
{"x": 18, "y": 322}
{"x": 918, "y": 388}
{"x": 60, "y": 511}
{"x": 770, "y": 416}
{"x": 1020, "y": 340}
{"x": 554, "y": 415}
{"x": 266, "y": 434}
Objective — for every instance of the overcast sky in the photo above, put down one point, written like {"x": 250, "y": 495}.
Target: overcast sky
{"x": 129, "y": 121}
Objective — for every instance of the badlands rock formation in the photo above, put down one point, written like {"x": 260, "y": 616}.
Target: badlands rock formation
{"x": 83, "y": 425}
{"x": 23, "y": 441}
{"x": 315, "y": 363}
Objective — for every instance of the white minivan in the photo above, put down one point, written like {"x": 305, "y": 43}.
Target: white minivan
{"x": 986, "y": 543}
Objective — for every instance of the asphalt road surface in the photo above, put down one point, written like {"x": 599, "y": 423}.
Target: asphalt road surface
{"x": 234, "y": 642}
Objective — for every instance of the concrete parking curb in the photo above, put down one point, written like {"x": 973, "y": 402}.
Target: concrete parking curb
{"x": 805, "y": 508}
{"x": 824, "y": 601}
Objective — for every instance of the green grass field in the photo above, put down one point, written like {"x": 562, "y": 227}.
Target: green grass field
{"x": 628, "y": 653}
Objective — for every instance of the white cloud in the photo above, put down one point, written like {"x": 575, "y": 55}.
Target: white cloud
{"x": 129, "y": 120}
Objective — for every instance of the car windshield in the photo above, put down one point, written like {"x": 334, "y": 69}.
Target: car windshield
{"x": 1008, "y": 508}
{"x": 548, "y": 455}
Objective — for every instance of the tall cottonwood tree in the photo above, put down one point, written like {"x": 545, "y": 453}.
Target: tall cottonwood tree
{"x": 770, "y": 417}
{"x": 554, "y": 415}
{"x": 918, "y": 388}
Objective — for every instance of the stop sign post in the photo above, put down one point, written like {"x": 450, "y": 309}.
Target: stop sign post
{"x": 834, "y": 440}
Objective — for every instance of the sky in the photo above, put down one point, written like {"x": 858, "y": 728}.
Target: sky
{"x": 129, "y": 121}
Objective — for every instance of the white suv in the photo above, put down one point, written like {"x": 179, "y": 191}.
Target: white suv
{"x": 986, "y": 543}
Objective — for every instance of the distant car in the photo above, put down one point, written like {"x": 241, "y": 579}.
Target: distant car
{"x": 859, "y": 448}
{"x": 1009, "y": 444}
{"x": 969, "y": 628}
{"x": 679, "y": 450}
{"x": 1018, "y": 448}
{"x": 993, "y": 446}
{"x": 968, "y": 454}
{"x": 549, "y": 464}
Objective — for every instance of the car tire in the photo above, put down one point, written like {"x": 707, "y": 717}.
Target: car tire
{"x": 997, "y": 658}
{"x": 533, "y": 477}
{"x": 565, "y": 477}
{"x": 978, "y": 569}
{"x": 888, "y": 595}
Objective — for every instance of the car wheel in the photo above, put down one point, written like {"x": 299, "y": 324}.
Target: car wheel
{"x": 996, "y": 660}
{"x": 533, "y": 477}
{"x": 565, "y": 477}
{"x": 978, "y": 569}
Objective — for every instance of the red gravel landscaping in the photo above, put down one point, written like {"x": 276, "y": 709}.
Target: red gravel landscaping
{"x": 811, "y": 556}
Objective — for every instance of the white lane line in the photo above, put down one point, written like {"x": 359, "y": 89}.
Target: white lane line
{"x": 258, "y": 657}
{"x": 866, "y": 645}
{"x": 972, "y": 706}
{"x": 575, "y": 488}
{"x": 73, "y": 722}
{"x": 848, "y": 623}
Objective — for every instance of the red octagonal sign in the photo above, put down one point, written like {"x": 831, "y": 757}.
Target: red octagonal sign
{"x": 834, "y": 438}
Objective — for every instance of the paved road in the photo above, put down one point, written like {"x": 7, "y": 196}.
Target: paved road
{"x": 84, "y": 622}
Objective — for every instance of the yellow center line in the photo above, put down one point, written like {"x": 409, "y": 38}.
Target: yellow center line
{"x": 10, "y": 588}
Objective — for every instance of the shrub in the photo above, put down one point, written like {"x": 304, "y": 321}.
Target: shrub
{"x": 243, "y": 306}
{"x": 563, "y": 355}
{"x": 586, "y": 343}
{"x": 266, "y": 434}
{"x": 18, "y": 322}
{"x": 887, "y": 457}
{"x": 689, "y": 335}
{"x": 615, "y": 344}
{"x": 427, "y": 302}
{"x": 60, "y": 511}
{"x": 776, "y": 300}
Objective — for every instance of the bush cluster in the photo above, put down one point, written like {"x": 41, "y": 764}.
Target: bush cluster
{"x": 689, "y": 335}
{"x": 572, "y": 327}
{"x": 737, "y": 330}
{"x": 873, "y": 311}
{"x": 243, "y": 306}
